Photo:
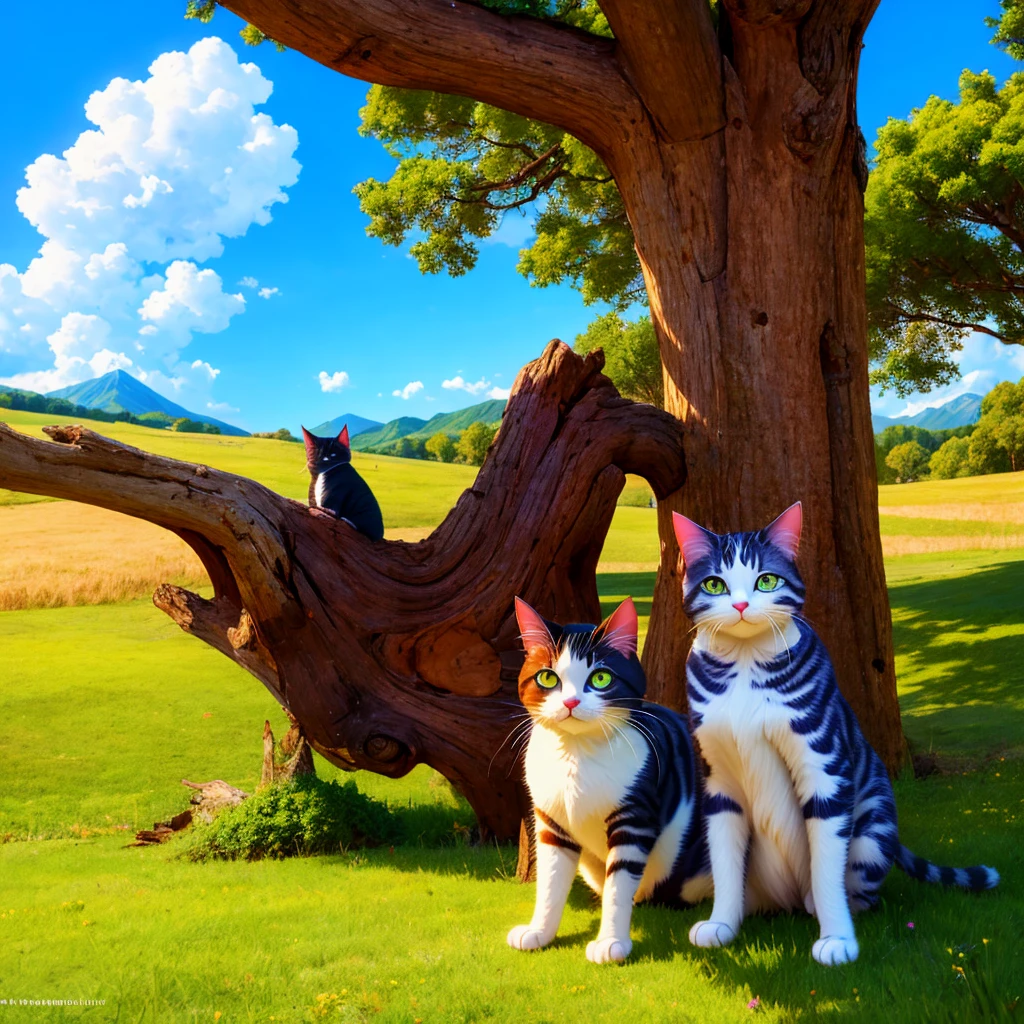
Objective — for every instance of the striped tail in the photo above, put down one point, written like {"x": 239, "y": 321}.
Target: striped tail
{"x": 976, "y": 879}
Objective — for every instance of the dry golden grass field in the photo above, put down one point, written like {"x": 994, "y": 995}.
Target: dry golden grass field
{"x": 56, "y": 553}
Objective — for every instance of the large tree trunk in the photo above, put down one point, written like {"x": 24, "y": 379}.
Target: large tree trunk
{"x": 736, "y": 148}
{"x": 392, "y": 654}
{"x": 756, "y": 280}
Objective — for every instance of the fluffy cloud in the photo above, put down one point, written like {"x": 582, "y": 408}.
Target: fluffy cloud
{"x": 176, "y": 163}
{"x": 333, "y": 382}
{"x": 458, "y": 384}
{"x": 266, "y": 293}
{"x": 499, "y": 392}
{"x": 409, "y": 390}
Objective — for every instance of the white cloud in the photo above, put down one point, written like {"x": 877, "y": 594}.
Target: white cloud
{"x": 499, "y": 392}
{"x": 334, "y": 381}
{"x": 221, "y": 407}
{"x": 249, "y": 282}
{"x": 266, "y": 293}
{"x": 458, "y": 384}
{"x": 983, "y": 362}
{"x": 176, "y": 163}
{"x": 409, "y": 390}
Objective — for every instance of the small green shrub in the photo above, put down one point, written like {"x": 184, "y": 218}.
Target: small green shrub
{"x": 304, "y": 816}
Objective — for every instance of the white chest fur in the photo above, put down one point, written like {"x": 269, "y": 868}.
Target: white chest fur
{"x": 579, "y": 781}
{"x": 318, "y": 490}
{"x": 746, "y": 737}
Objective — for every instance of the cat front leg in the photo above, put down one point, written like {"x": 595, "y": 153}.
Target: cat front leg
{"x": 630, "y": 841}
{"x": 829, "y": 823}
{"x": 557, "y": 857}
{"x": 728, "y": 837}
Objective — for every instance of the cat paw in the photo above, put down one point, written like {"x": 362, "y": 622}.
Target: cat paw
{"x": 605, "y": 951}
{"x": 835, "y": 949}
{"x": 708, "y": 934}
{"x": 526, "y": 937}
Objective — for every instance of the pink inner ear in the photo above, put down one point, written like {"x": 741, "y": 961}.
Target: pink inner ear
{"x": 343, "y": 436}
{"x": 693, "y": 540}
{"x": 784, "y": 532}
{"x": 310, "y": 442}
{"x": 532, "y": 627}
{"x": 620, "y": 629}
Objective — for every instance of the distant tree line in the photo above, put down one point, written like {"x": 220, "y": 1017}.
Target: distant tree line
{"x": 29, "y": 401}
{"x": 284, "y": 434}
{"x": 469, "y": 447}
{"x": 995, "y": 444}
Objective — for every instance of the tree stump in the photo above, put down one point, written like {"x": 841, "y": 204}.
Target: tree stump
{"x": 392, "y": 654}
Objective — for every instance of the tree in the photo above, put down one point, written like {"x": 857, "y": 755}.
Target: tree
{"x": 393, "y": 654}
{"x": 944, "y": 225}
{"x": 984, "y": 454}
{"x": 908, "y": 460}
{"x": 631, "y": 356}
{"x": 474, "y": 441}
{"x": 730, "y": 133}
{"x": 951, "y": 460}
{"x": 441, "y": 447}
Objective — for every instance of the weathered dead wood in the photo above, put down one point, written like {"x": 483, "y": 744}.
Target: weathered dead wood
{"x": 208, "y": 800}
{"x": 392, "y": 654}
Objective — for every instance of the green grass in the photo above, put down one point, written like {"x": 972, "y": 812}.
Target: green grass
{"x": 102, "y": 711}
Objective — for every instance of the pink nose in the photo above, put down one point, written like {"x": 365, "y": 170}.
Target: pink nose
{"x": 741, "y": 606}
{"x": 571, "y": 703}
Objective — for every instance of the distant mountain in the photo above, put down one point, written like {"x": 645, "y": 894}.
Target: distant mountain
{"x": 957, "y": 412}
{"x": 118, "y": 391}
{"x": 356, "y": 425}
{"x": 417, "y": 429}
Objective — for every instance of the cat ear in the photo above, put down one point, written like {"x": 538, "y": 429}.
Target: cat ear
{"x": 310, "y": 441}
{"x": 694, "y": 540}
{"x": 784, "y": 532}
{"x": 343, "y": 436}
{"x": 619, "y": 630}
{"x": 532, "y": 627}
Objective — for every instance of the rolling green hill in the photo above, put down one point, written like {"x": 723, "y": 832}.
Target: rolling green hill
{"x": 420, "y": 430}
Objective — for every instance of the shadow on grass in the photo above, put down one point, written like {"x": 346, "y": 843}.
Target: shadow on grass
{"x": 964, "y": 644}
{"x": 614, "y": 586}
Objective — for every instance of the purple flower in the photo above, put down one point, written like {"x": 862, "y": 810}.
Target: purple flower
{"x": 910, "y": 925}
{"x": 754, "y": 1003}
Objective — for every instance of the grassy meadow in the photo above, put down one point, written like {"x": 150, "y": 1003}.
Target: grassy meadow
{"x": 105, "y": 705}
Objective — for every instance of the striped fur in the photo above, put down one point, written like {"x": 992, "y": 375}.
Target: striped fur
{"x": 800, "y": 808}
{"x": 614, "y": 782}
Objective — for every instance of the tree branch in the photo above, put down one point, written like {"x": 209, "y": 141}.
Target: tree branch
{"x": 927, "y": 318}
{"x": 671, "y": 54}
{"x": 542, "y": 70}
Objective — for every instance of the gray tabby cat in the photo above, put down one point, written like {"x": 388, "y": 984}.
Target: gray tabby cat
{"x": 799, "y": 806}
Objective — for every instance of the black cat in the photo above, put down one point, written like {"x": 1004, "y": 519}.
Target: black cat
{"x": 337, "y": 487}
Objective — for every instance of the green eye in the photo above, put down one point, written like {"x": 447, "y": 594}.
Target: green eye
{"x": 546, "y": 679}
{"x": 714, "y": 585}
{"x": 601, "y": 679}
{"x": 768, "y": 581}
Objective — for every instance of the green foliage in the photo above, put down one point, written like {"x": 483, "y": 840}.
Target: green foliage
{"x": 951, "y": 459}
{"x": 944, "y": 226}
{"x": 475, "y": 440}
{"x": 463, "y": 166}
{"x": 30, "y": 401}
{"x": 908, "y": 461}
{"x": 631, "y": 357}
{"x": 183, "y": 425}
{"x": 204, "y": 10}
{"x": 283, "y": 434}
{"x": 304, "y": 816}
{"x": 1009, "y": 27}
{"x": 156, "y": 419}
{"x": 441, "y": 447}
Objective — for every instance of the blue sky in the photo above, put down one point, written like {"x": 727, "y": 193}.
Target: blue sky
{"x": 253, "y": 328}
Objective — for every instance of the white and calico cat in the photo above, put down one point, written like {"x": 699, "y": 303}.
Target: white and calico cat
{"x": 800, "y": 810}
{"x": 614, "y": 782}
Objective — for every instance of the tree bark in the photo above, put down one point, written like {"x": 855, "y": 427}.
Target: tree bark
{"x": 742, "y": 168}
{"x": 390, "y": 654}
